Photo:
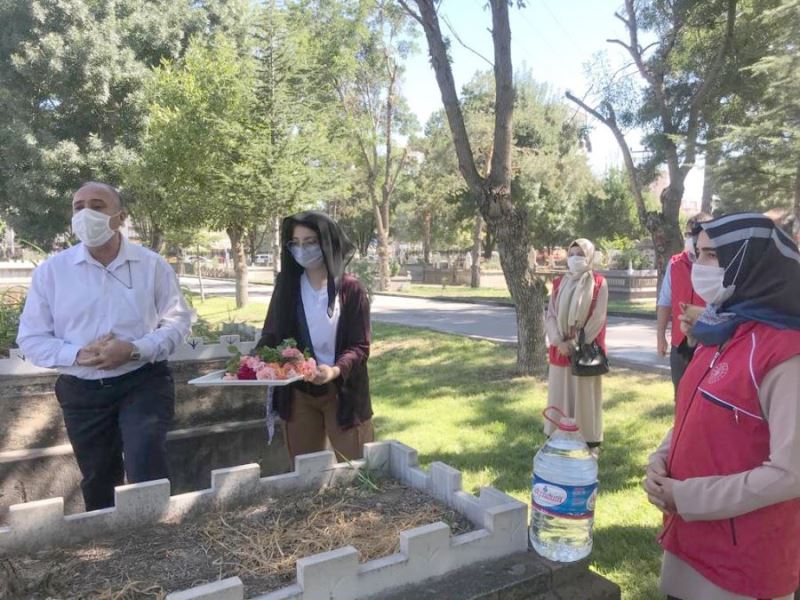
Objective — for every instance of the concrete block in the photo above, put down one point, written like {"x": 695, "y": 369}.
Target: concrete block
{"x": 84, "y": 526}
{"x": 401, "y": 459}
{"x": 310, "y": 467}
{"x": 445, "y": 482}
{"x": 227, "y": 340}
{"x": 34, "y": 525}
{"x": 509, "y": 523}
{"x": 236, "y": 483}
{"x": 490, "y": 496}
{"x": 36, "y": 518}
{"x": 276, "y": 485}
{"x": 144, "y": 502}
{"x": 419, "y": 479}
{"x": 469, "y": 506}
{"x": 427, "y": 549}
{"x": 329, "y": 575}
{"x": 195, "y": 342}
{"x": 291, "y": 592}
{"x": 225, "y": 589}
{"x": 182, "y": 505}
{"x": 377, "y": 456}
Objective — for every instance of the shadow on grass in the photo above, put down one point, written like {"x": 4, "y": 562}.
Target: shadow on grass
{"x": 629, "y": 552}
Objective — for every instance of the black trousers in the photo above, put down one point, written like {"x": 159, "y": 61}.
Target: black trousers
{"x": 118, "y": 428}
{"x": 677, "y": 366}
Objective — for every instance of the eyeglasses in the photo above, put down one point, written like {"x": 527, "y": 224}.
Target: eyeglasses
{"x": 309, "y": 245}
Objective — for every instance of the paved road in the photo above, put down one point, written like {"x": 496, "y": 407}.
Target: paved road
{"x": 631, "y": 342}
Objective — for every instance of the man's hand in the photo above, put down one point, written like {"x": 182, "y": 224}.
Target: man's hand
{"x": 663, "y": 345}
{"x": 89, "y": 353}
{"x": 106, "y": 353}
{"x": 325, "y": 374}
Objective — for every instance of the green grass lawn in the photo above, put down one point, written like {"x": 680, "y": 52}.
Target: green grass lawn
{"x": 457, "y": 400}
{"x": 217, "y": 310}
{"x": 452, "y": 292}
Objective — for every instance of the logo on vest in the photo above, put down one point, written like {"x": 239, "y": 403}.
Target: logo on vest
{"x": 718, "y": 373}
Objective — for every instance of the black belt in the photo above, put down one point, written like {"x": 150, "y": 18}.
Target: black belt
{"x": 95, "y": 384}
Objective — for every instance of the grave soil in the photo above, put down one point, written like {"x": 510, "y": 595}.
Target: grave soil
{"x": 259, "y": 543}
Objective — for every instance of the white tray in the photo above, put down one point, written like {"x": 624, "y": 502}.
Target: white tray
{"x": 215, "y": 379}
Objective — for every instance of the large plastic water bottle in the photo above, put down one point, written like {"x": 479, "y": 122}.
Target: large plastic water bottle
{"x": 563, "y": 493}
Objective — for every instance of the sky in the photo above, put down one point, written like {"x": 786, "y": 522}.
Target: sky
{"x": 554, "y": 39}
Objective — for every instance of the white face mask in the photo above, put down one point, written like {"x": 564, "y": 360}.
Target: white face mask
{"x": 707, "y": 282}
{"x": 688, "y": 246}
{"x": 577, "y": 264}
{"x": 309, "y": 256}
{"x": 92, "y": 227}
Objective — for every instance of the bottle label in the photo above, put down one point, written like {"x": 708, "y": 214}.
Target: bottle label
{"x": 571, "y": 501}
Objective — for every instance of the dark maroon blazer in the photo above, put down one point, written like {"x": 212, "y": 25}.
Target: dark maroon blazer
{"x": 353, "y": 338}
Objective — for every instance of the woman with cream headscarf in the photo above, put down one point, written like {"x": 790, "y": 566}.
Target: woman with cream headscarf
{"x": 579, "y": 300}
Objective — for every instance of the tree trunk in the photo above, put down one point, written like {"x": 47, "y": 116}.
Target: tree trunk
{"x": 236, "y": 235}
{"x": 426, "y": 236}
{"x": 709, "y": 181}
{"x": 663, "y": 227}
{"x": 276, "y": 247}
{"x": 489, "y": 242}
{"x": 507, "y": 222}
{"x": 383, "y": 262}
{"x": 252, "y": 243}
{"x": 475, "y": 275}
{"x": 382, "y": 228}
{"x": 527, "y": 290}
{"x": 156, "y": 243}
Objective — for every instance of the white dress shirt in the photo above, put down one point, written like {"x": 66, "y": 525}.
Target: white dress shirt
{"x": 321, "y": 327}
{"x": 74, "y": 300}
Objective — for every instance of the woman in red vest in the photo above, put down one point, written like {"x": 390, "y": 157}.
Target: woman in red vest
{"x": 727, "y": 476}
{"x": 579, "y": 301}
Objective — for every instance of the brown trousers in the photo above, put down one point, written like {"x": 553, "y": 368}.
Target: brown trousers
{"x": 313, "y": 423}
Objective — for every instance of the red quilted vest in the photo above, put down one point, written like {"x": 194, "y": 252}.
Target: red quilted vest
{"x": 552, "y": 352}
{"x": 720, "y": 430}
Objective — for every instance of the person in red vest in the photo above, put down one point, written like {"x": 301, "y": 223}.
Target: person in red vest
{"x": 676, "y": 289}
{"x": 727, "y": 476}
{"x": 579, "y": 301}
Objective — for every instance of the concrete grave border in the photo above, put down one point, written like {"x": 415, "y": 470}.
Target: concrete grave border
{"x": 425, "y": 552}
{"x": 191, "y": 349}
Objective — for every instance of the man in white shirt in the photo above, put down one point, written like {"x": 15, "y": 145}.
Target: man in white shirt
{"x": 106, "y": 314}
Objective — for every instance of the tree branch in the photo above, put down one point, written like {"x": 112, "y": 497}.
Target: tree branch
{"x": 411, "y": 12}
{"x": 447, "y": 87}
{"x": 500, "y": 175}
{"x": 458, "y": 39}
{"x": 621, "y": 43}
{"x": 611, "y": 123}
{"x": 699, "y": 97}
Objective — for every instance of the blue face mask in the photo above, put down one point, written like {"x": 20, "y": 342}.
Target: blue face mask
{"x": 307, "y": 256}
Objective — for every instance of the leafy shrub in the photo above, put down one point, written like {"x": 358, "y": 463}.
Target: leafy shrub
{"x": 366, "y": 271}
{"x": 11, "y": 302}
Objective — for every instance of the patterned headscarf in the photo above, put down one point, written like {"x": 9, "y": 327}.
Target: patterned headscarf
{"x": 762, "y": 263}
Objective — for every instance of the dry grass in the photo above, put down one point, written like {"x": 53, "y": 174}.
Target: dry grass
{"x": 259, "y": 543}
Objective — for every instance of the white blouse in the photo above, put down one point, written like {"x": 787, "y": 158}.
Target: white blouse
{"x": 321, "y": 327}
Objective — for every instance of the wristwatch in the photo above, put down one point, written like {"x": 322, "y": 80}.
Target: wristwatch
{"x": 135, "y": 353}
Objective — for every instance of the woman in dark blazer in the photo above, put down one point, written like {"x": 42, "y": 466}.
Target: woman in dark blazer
{"x": 327, "y": 312}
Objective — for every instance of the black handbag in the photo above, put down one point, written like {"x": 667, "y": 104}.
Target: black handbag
{"x": 588, "y": 360}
